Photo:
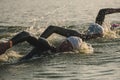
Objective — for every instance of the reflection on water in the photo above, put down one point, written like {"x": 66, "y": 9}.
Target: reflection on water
{"x": 35, "y": 16}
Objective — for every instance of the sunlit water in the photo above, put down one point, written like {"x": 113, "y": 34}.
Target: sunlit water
{"x": 34, "y": 16}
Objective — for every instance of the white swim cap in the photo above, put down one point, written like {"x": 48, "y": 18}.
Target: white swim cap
{"x": 75, "y": 41}
{"x": 95, "y": 28}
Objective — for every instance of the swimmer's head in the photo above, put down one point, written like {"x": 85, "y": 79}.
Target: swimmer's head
{"x": 70, "y": 44}
{"x": 73, "y": 43}
{"x": 95, "y": 28}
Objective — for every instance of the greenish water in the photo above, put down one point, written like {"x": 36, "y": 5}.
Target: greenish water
{"x": 34, "y": 16}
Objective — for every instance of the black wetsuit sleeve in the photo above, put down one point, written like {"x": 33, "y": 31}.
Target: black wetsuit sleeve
{"x": 102, "y": 12}
{"x": 61, "y": 31}
{"x": 40, "y": 43}
{"x": 43, "y": 47}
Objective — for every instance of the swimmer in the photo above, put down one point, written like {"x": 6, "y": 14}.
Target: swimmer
{"x": 41, "y": 45}
{"x": 110, "y": 30}
{"x": 94, "y": 30}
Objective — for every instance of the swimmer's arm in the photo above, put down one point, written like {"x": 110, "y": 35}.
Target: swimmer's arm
{"x": 30, "y": 55}
{"x": 67, "y": 32}
{"x": 27, "y": 57}
{"x": 61, "y": 31}
{"x": 101, "y": 14}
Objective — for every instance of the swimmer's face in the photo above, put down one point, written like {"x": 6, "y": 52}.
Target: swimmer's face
{"x": 65, "y": 46}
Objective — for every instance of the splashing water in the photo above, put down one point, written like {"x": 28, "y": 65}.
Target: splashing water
{"x": 108, "y": 33}
{"x": 10, "y": 56}
{"x": 86, "y": 48}
{"x": 35, "y": 29}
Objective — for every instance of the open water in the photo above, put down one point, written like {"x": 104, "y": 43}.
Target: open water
{"x": 34, "y": 16}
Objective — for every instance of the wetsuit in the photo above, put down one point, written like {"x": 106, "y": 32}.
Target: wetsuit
{"x": 41, "y": 45}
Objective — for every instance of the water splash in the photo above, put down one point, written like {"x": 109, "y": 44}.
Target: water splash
{"x": 10, "y": 56}
{"x": 35, "y": 29}
{"x": 86, "y": 48}
{"x": 108, "y": 33}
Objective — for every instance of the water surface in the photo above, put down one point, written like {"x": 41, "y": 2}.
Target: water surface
{"x": 35, "y": 16}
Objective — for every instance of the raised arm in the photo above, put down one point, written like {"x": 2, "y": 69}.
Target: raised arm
{"x": 61, "y": 31}
{"x": 101, "y": 14}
